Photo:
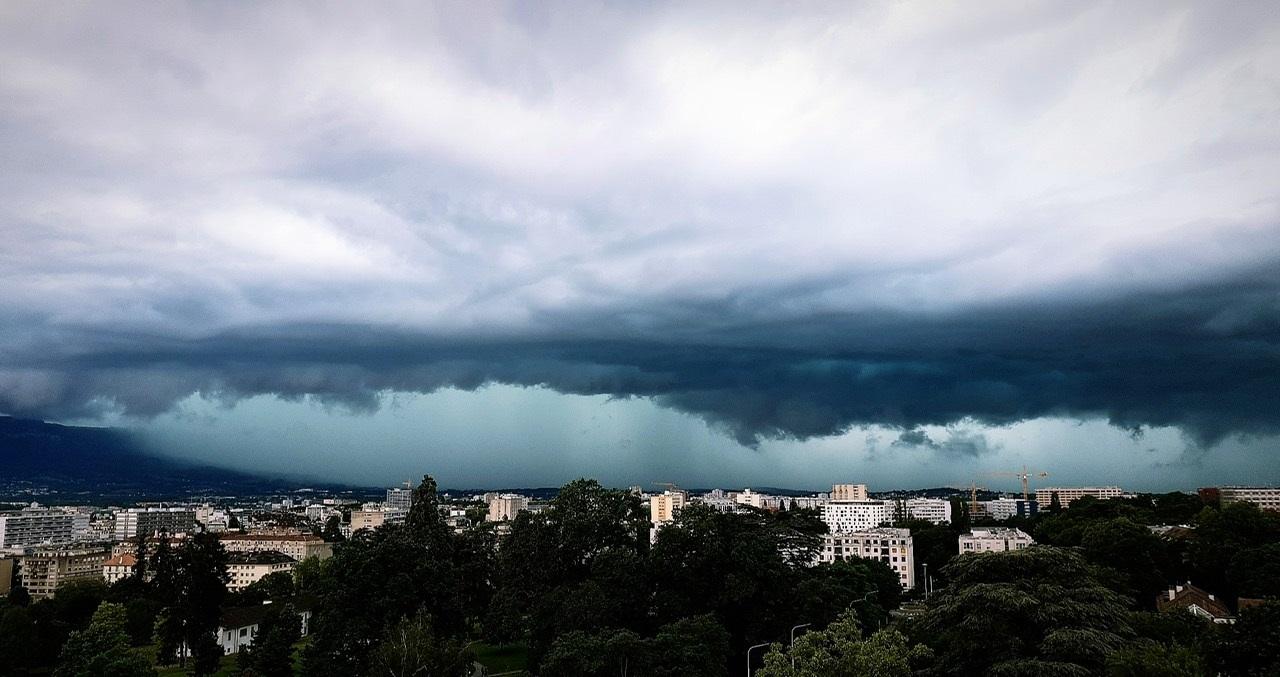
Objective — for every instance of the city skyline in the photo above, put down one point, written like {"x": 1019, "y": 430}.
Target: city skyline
{"x": 702, "y": 243}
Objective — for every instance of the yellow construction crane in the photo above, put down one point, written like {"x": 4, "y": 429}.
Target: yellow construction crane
{"x": 973, "y": 499}
{"x": 1025, "y": 476}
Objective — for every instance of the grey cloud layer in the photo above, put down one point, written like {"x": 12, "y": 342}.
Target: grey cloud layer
{"x": 786, "y": 222}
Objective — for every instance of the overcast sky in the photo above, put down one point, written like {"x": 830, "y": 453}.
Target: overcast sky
{"x": 714, "y": 243}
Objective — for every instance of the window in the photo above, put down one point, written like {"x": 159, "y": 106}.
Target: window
{"x": 244, "y": 631}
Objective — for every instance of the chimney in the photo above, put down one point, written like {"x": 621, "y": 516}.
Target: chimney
{"x": 1211, "y": 596}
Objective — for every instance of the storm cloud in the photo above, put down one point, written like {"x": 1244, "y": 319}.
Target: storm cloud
{"x": 787, "y": 222}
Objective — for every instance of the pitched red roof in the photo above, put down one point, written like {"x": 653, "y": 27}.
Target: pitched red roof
{"x": 1183, "y": 596}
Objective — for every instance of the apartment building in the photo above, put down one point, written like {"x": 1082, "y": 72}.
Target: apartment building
{"x": 1066, "y": 495}
{"x": 849, "y": 492}
{"x": 505, "y": 507}
{"x": 886, "y": 544}
{"x": 151, "y": 521}
{"x": 35, "y": 525}
{"x": 936, "y": 510}
{"x": 994, "y": 539}
{"x": 400, "y": 498}
{"x": 247, "y": 568}
{"x": 297, "y": 546}
{"x": 663, "y": 507}
{"x": 44, "y": 570}
{"x": 374, "y": 517}
{"x": 1004, "y": 508}
{"x": 851, "y": 516}
{"x": 1266, "y": 498}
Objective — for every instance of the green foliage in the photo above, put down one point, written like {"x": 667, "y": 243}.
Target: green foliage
{"x": 275, "y": 587}
{"x": 1146, "y": 658}
{"x": 196, "y": 577}
{"x": 1256, "y": 572}
{"x": 689, "y": 646}
{"x": 1251, "y": 646}
{"x": 102, "y": 649}
{"x": 411, "y": 647}
{"x": 839, "y": 650}
{"x": 271, "y": 653}
{"x": 1041, "y": 609}
{"x": 379, "y": 577}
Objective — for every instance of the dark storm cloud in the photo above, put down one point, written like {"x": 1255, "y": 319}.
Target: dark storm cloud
{"x": 785, "y": 220}
{"x": 1206, "y": 360}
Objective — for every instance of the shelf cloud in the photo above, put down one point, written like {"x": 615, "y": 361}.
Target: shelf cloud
{"x": 786, "y": 221}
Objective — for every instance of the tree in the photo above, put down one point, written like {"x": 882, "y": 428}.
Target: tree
{"x": 276, "y": 587}
{"x": 410, "y": 648}
{"x": 271, "y": 653}
{"x": 198, "y": 577}
{"x": 102, "y": 649}
{"x": 332, "y": 531}
{"x": 1251, "y": 646}
{"x": 839, "y": 650}
{"x": 1256, "y": 572}
{"x": 1042, "y": 610}
{"x": 1146, "y": 658}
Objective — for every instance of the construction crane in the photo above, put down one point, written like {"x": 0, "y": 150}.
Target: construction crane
{"x": 1025, "y": 476}
{"x": 973, "y": 499}
{"x": 671, "y": 486}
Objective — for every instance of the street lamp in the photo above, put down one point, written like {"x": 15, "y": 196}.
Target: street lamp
{"x": 749, "y": 650}
{"x": 792, "y": 645}
{"x": 926, "y": 581}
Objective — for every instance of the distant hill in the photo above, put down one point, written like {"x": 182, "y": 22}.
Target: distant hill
{"x": 82, "y": 464}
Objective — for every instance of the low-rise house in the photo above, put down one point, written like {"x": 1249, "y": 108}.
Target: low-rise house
{"x": 239, "y": 625}
{"x": 1199, "y": 603}
{"x": 118, "y": 568}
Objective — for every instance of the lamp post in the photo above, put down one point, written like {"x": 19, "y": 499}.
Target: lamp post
{"x": 792, "y": 644}
{"x": 926, "y": 581}
{"x": 749, "y": 650}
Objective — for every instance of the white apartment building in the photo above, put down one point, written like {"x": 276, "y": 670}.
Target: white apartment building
{"x": 1004, "y": 508}
{"x": 247, "y": 568}
{"x": 35, "y": 525}
{"x": 1066, "y": 495}
{"x": 851, "y": 516}
{"x": 751, "y": 498}
{"x": 1266, "y": 498}
{"x": 400, "y": 497}
{"x": 886, "y": 544}
{"x": 663, "y": 507}
{"x": 297, "y": 546}
{"x": 150, "y": 521}
{"x": 718, "y": 499}
{"x": 849, "y": 492}
{"x": 504, "y": 508}
{"x": 994, "y": 539}
{"x": 936, "y": 510}
{"x": 45, "y": 569}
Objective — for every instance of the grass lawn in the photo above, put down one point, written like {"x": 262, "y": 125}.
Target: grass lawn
{"x": 501, "y": 657}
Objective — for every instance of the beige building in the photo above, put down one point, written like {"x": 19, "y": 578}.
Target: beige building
{"x": 886, "y": 544}
{"x": 664, "y": 506}
{"x": 247, "y": 568}
{"x": 849, "y": 492}
{"x": 44, "y": 570}
{"x": 994, "y": 539}
{"x": 372, "y": 518}
{"x": 297, "y": 546}
{"x": 6, "y": 574}
{"x": 1044, "y": 497}
{"x": 1266, "y": 498}
{"x": 504, "y": 508}
{"x": 118, "y": 567}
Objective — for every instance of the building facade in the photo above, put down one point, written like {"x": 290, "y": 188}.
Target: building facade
{"x": 663, "y": 507}
{"x": 849, "y": 492}
{"x": 1066, "y": 495}
{"x": 297, "y": 546}
{"x": 505, "y": 507}
{"x": 851, "y": 516}
{"x": 400, "y": 498}
{"x": 1266, "y": 498}
{"x": 1004, "y": 508}
{"x": 936, "y": 510}
{"x": 118, "y": 568}
{"x": 36, "y": 526}
{"x": 247, "y": 568}
{"x": 44, "y": 570}
{"x": 886, "y": 544}
{"x": 994, "y": 539}
{"x": 151, "y": 521}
